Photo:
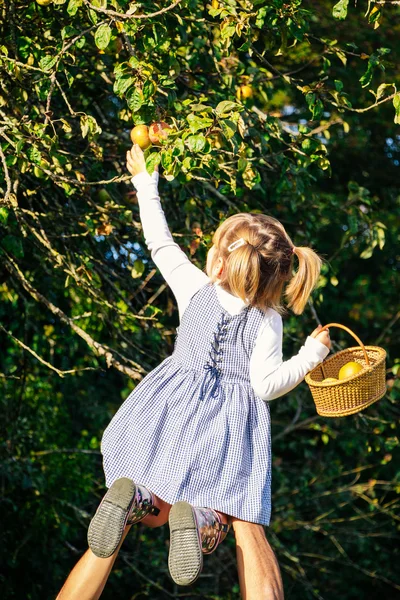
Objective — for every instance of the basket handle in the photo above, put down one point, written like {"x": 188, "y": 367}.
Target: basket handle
{"x": 354, "y": 336}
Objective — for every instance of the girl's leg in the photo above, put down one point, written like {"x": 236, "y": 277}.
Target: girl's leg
{"x": 125, "y": 503}
{"x": 259, "y": 574}
{"x": 89, "y": 576}
{"x": 194, "y": 531}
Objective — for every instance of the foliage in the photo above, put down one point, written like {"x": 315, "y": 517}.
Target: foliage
{"x": 84, "y": 313}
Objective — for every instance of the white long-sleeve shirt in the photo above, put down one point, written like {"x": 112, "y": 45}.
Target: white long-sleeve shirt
{"x": 270, "y": 375}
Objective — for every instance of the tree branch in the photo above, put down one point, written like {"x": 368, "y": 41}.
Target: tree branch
{"x": 44, "y": 362}
{"x": 98, "y": 348}
{"x": 127, "y": 17}
{"x": 6, "y": 176}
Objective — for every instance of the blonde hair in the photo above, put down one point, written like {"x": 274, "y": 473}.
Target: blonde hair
{"x": 257, "y": 271}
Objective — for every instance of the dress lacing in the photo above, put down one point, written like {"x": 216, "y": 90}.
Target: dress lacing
{"x": 215, "y": 354}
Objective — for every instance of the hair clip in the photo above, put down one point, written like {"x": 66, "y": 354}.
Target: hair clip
{"x": 240, "y": 242}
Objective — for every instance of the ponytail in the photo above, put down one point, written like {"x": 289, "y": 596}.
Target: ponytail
{"x": 304, "y": 280}
{"x": 242, "y": 273}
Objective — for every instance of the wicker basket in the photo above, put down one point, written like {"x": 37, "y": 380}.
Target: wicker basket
{"x": 353, "y": 394}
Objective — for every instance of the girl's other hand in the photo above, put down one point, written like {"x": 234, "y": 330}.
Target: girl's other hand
{"x": 322, "y": 336}
{"x": 135, "y": 162}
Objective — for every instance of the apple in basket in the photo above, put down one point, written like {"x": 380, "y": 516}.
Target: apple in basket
{"x": 349, "y": 369}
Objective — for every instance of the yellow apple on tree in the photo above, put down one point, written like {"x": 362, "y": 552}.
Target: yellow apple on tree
{"x": 216, "y": 140}
{"x": 140, "y": 136}
{"x": 244, "y": 92}
{"x": 349, "y": 369}
{"x": 44, "y": 2}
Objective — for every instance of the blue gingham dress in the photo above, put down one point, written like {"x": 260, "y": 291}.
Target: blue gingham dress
{"x": 193, "y": 428}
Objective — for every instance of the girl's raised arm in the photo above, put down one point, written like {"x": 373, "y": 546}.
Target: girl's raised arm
{"x": 183, "y": 277}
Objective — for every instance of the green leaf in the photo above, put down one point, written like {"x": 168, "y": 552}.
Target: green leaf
{"x": 368, "y": 252}
{"x": 396, "y": 104}
{"x": 13, "y": 245}
{"x": 196, "y": 123}
{"x": 3, "y": 215}
{"x": 135, "y": 99}
{"x": 137, "y": 269}
{"x": 242, "y": 164}
{"x": 102, "y": 36}
{"x": 173, "y": 171}
{"x": 73, "y": 6}
{"x": 166, "y": 158}
{"x": 224, "y": 108}
{"x": 196, "y": 143}
{"x": 251, "y": 177}
{"x": 149, "y": 89}
{"x": 201, "y": 108}
{"x": 152, "y": 161}
{"x": 228, "y": 127}
{"x": 339, "y": 11}
{"x": 47, "y": 62}
{"x": 261, "y": 16}
{"x": 366, "y": 79}
{"x": 179, "y": 147}
{"x": 68, "y": 31}
{"x": 89, "y": 127}
{"x": 122, "y": 84}
{"x": 338, "y": 85}
{"x": 381, "y": 89}
{"x": 34, "y": 155}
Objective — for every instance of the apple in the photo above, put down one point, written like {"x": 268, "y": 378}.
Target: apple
{"x": 349, "y": 369}
{"x": 38, "y": 172}
{"x": 44, "y": 2}
{"x": 140, "y": 136}
{"x": 216, "y": 140}
{"x": 158, "y": 131}
{"x": 103, "y": 196}
{"x": 244, "y": 92}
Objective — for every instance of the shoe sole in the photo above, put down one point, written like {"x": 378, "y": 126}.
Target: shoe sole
{"x": 108, "y": 524}
{"x": 185, "y": 560}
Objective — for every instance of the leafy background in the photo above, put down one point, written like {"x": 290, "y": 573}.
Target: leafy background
{"x": 84, "y": 315}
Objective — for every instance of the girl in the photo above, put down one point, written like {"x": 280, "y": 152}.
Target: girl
{"x": 192, "y": 441}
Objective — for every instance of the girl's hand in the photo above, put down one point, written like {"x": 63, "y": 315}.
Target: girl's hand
{"x": 135, "y": 162}
{"x": 322, "y": 336}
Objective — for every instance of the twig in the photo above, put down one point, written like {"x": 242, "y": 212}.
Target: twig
{"x": 7, "y": 176}
{"x": 362, "y": 110}
{"x": 40, "y": 359}
{"x": 127, "y": 17}
{"x": 291, "y": 428}
{"x": 153, "y": 297}
{"x": 49, "y": 95}
{"x": 216, "y": 193}
{"x": 388, "y": 327}
{"x": 65, "y": 451}
{"x": 98, "y": 348}
{"x": 4, "y": 376}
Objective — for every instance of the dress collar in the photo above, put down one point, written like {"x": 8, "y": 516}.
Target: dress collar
{"x": 229, "y": 302}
